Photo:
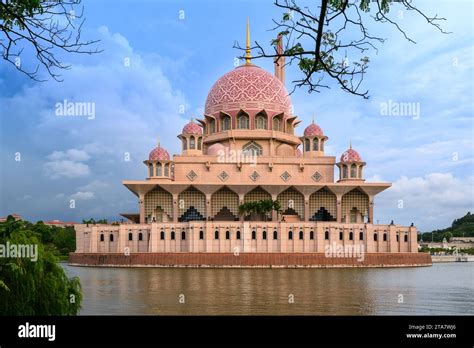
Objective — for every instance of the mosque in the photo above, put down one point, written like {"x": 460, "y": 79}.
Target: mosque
{"x": 247, "y": 191}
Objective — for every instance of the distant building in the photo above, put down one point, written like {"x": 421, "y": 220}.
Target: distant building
{"x": 59, "y": 223}
{"x": 15, "y": 216}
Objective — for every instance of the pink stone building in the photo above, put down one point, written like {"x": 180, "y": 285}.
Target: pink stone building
{"x": 245, "y": 148}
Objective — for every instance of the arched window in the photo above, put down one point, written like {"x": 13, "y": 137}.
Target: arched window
{"x": 185, "y": 144}
{"x": 212, "y": 126}
{"x": 260, "y": 122}
{"x": 301, "y": 234}
{"x": 225, "y": 123}
{"x": 252, "y": 149}
{"x": 183, "y": 235}
{"x": 162, "y": 235}
{"x": 361, "y": 235}
{"x": 311, "y": 235}
{"x": 315, "y": 144}
{"x": 353, "y": 171}
{"x": 201, "y": 235}
{"x": 275, "y": 234}
{"x": 172, "y": 235}
{"x": 351, "y": 236}
{"x": 290, "y": 235}
{"x": 398, "y": 238}
{"x": 140, "y": 236}
{"x": 199, "y": 143}
{"x": 405, "y": 238}
{"x": 264, "y": 235}
{"x": 101, "y": 237}
{"x": 344, "y": 171}
{"x": 307, "y": 146}
{"x": 159, "y": 169}
{"x": 216, "y": 234}
{"x": 111, "y": 237}
{"x": 130, "y": 236}
{"x": 341, "y": 235}
{"x": 359, "y": 172}
{"x": 243, "y": 121}
{"x": 326, "y": 235}
{"x": 167, "y": 169}
{"x": 237, "y": 235}
{"x": 227, "y": 235}
{"x": 276, "y": 124}
{"x": 150, "y": 169}
{"x": 384, "y": 237}
{"x": 254, "y": 234}
{"x": 192, "y": 142}
{"x": 375, "y": 237}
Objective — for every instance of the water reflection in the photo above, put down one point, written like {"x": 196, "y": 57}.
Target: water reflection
{"x": 441, "y": 289}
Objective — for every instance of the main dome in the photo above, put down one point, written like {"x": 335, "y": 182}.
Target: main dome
{"x": 250, "y": 88}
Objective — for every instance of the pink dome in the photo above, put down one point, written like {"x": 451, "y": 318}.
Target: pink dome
{"x": 214, "y": 149}
{"x": 159, "y": 154}
{"x": 192, "y": 128}
{"x": 350, "y": 156}
{"x": 248, "y": 87}
{"x": 312, "y": 130}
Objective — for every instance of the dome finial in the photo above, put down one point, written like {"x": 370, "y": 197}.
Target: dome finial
{"x": 313, "y": 117}
{"x": 350, "y": 143}
{"x": 158, "y": 141}
{"x": 248, "y": 57}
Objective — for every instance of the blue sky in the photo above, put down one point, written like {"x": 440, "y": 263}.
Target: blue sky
{"x": 173, "y": 64}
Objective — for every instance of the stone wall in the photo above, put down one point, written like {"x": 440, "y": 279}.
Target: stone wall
{"x": 264, "y": 260}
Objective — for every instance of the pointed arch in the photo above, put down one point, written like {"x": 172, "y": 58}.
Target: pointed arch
{"x": 191, "y": 205}
{"x": 261, "y": 119}
{"x": 322, "y": 205}
{"x": 225, "y": 205}
{"x": 226, "y": 122}
{"x": 252, "y": 148}
{"x": 292, "y": 202}
{"x": 243, "y": 120}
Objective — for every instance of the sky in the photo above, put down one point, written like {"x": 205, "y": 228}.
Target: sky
{"x": 159, "y": 60}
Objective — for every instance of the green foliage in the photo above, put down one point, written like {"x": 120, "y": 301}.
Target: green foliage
{"x": 94, "y": 222}
{"x": 261, "y": 207}
{"x": 12, "y": 11}
{"x": 462, "y": 227}
{"x": 29, "y": 287}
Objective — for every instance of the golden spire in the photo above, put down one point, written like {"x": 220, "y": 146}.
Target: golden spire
{"x": 313, "y": 118}
{"x": 350, "y": 144}
{"x": 158, "y": 138}
{"x": 248, "y": 57}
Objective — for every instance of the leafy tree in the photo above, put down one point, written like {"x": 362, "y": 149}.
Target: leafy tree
{"x": 45, "y": 28}
{"x": 329, "y": 39}
{"x": 29, "y": 287}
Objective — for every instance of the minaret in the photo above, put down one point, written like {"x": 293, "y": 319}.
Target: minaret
{"x": 280, "y": 61}
{"x": 248, "y": 57}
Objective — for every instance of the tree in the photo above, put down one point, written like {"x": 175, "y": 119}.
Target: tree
{"x": 34, "y": 287}
{"x": 321, "y": 40}
{"x": 44, "y": 27}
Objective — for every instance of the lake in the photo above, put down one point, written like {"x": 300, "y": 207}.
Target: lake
{"x": 442, "y": 289}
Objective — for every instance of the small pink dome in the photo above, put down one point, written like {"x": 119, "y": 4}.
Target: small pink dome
{"x": 159, "y": 154}
{"x": 350, "y": 156}
{"x": 312, "y": 130}
{"x": 298, "y": 152}
{"x": 214, "y": 149}
{"x": 192, "y": 128}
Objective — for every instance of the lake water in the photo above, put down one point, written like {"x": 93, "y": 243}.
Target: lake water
{"x": 442, "y": 289}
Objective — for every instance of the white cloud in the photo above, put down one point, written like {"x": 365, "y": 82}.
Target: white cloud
{"x": 66, "y": 169}
{"x": 80, "y": 195}
{"x": 71, "y": 155}
{"x": 434, "y": 199}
